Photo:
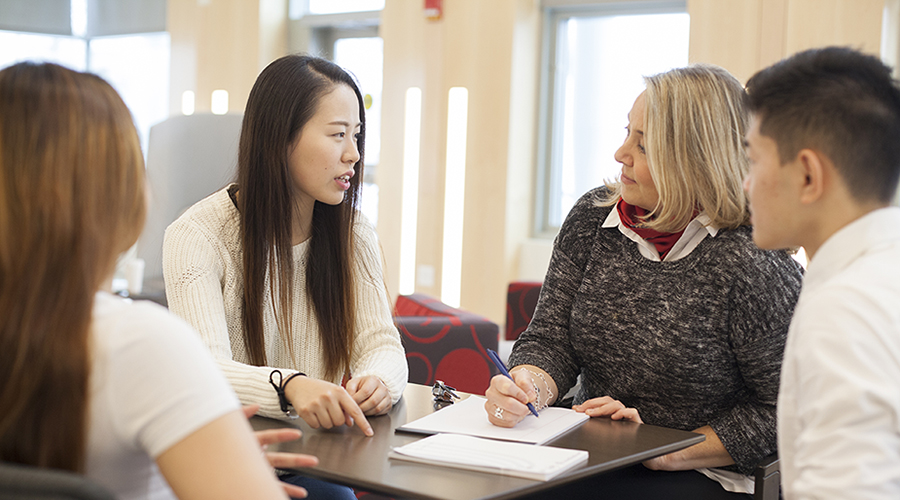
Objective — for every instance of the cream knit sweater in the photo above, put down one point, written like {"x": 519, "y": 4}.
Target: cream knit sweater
{"x": 202, "y": 271}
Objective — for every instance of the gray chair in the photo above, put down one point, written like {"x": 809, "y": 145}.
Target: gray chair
{"x": 25, "y": 482}
{"x": 767, "y": 477}
{"x": 188, "y": 158}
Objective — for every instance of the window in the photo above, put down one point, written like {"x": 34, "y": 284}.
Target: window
{"x": 67, "y": 51}
{"x": 596, "y": 58}
{"x": 341, "y": 6}
{"x": 143, "y": 87}
{"x": 362, "y": 57}
{"x": 346, "y": 32}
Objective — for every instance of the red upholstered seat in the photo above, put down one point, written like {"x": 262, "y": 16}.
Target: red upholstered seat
{"x": 521, "y": 299}
{"x": 445, "y": 343}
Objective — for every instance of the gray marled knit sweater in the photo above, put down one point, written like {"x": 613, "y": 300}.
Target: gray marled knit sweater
{"x": 694, "y": 342}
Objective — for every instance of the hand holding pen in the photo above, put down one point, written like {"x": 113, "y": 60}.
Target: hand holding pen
{"x": 508, "y": 401}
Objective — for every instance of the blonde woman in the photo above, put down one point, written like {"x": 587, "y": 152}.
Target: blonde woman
{"x": 657, "y": 297}
{"x": 122, "y": 392}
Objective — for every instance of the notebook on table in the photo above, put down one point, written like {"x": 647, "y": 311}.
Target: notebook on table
{"x": 469, "y": 417}
{"x": 540, "y": 463}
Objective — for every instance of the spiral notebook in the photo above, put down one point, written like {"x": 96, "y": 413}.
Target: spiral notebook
{"x": 540, "y": 463}
{"x": 469, "y": 417}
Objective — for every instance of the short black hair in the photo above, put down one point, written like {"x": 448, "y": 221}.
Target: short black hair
{"x": 840, "y": 102}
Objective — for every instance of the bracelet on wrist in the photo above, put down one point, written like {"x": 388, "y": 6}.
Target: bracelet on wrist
{"x": 283, "y": 401}
{"x": 540, "y": 375}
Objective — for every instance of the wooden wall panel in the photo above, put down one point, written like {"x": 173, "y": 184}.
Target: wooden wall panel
{"x": 222, "y": 44}
{"x": 726, "y": 33}
{"x": 744, "y": 36}
{"x": 817, "y": 23}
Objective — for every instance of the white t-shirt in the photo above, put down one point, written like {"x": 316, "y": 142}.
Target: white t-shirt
{"x": 152, "y": 384}
{"x": 839, "y": 403}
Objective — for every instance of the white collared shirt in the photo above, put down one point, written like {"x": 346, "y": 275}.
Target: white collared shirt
{"x": 839, "y": 403}
{"x": 693, "y": 234}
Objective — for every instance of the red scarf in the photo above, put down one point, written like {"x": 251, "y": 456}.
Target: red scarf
{"x": 630, "y": 216}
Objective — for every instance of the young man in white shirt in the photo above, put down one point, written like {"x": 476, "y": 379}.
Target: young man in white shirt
{"x": 824, "y": 147}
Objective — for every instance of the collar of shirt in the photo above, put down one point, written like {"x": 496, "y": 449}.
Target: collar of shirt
{"x": 699, "y": 228}
{"x": 869, "y": 233}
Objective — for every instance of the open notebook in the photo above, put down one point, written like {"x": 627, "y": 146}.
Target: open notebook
{"x": 540, "y": 463}
{"x": 469, "y": 417}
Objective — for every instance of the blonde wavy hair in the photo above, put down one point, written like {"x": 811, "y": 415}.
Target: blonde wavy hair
{"x": 694, "y": 126}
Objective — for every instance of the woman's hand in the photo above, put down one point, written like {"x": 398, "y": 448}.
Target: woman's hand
{"x": 323, "y": 404}
{"x": 616, "y": 410}
{"x": 370, "y": 394}
{"x": 506, "y": 399}
{"x": 608, "y": 407}
{"x": 282, "y": 460}
{"x": 709, "y": 453}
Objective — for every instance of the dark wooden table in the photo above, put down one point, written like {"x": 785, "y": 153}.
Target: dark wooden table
{"x": 346, "y": 456}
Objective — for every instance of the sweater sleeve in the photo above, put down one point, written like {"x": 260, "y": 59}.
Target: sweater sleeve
{"x": 546, "y": 342}
{"x": 762, "y": 303}
{"x": 377, "y": 349}
{"x": 194, "y": 273}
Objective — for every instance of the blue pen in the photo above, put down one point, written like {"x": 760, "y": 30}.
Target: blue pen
{"x": 500, "y": 366}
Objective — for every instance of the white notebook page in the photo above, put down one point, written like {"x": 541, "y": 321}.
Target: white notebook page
{"x": 469, "y": 417}
{"x": 541, "y": 463}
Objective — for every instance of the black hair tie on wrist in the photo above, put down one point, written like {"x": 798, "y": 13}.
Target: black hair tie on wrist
{"x": 286, "y": 405}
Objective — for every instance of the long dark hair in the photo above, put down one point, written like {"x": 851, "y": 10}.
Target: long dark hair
{"x": 283, "y": 99}
{"x": 71, "y": 200}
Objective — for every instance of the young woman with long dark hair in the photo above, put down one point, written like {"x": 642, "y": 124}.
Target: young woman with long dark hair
{"x": 279, "y": 272}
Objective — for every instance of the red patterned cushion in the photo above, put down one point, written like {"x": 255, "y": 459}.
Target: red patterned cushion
{"x": 419, "y": 304}
{"x": 521, "y": 299}
{"x": 446, "y": 344}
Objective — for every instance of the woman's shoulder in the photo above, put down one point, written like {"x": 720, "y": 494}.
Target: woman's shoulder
{"x": 581, "y": 234}
{"x": 597, "y": 202}
{"x": 591, "y": 207}
{"x": 586, "y": 215}
{"x": 218, "y": 206}
{"x": 141, "y": 336}
{"x": 364, "y": 232}
{"x": 737, "y": 246}
{"x": 365, "y": 241}
{"x": 119, "y": 323}
{"x": 143, "y": 339}
{"x": 213, "y": 215}
{"x": 140, "y": 349}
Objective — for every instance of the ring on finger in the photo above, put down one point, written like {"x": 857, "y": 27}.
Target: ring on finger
{"x": 498, "y": 413}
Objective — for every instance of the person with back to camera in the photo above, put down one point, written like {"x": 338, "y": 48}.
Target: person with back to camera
{"x": 124, "y": 393}
{"x": 279, "y": 271}
{"x": 824, "y": 147}
{"x": 657, "y": 297}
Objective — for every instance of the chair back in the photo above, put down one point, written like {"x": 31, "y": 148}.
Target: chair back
{"x": 188, "y": 158}
{"x": 521, "y": 300}
{"x": 25, "y": 482}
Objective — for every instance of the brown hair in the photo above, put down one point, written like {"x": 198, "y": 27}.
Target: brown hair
{"x": 282, "y": 101}
{"x": 694, "y": 126}
{"x": 71, "y": 200}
